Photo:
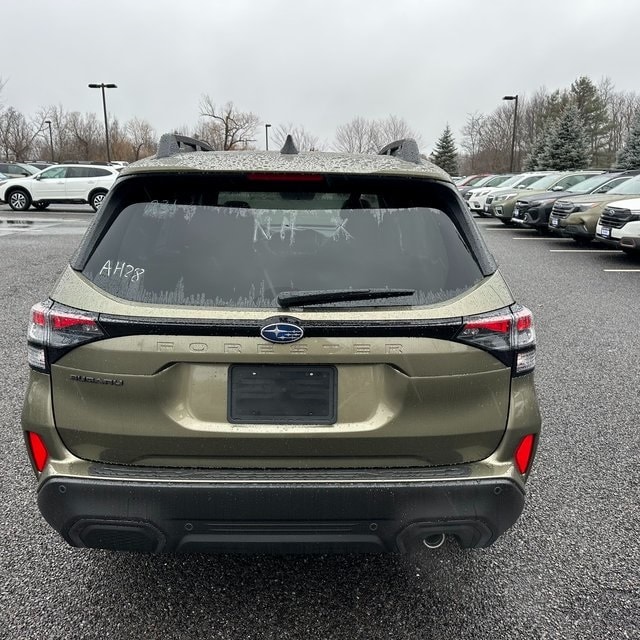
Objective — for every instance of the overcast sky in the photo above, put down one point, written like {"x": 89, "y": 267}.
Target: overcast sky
{"x": 314, "y": 63}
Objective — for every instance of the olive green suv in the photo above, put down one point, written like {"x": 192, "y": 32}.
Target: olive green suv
{"x": 277, "y": 352}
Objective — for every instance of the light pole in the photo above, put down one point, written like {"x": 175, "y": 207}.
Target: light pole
{"x": 515, "y": 124}
{"x": 48, "y": 123}
{"x": 266, "y": 136}
{"x": 104, "y": 86}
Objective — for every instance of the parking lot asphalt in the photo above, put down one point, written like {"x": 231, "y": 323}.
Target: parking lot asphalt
{"x": 570, "y": 568}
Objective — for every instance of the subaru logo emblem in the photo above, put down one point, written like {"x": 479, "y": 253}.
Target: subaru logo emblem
{"x": 282, "y": 332}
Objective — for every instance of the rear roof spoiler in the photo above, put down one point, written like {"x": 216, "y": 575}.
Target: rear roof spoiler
{"x": 172, "y": 143}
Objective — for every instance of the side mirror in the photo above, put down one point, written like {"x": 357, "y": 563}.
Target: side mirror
{"x": 557, "y": 188}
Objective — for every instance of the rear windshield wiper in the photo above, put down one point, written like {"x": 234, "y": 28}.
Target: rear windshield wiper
{"x": 302, "y": 298}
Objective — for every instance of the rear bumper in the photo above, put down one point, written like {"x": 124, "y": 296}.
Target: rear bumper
{"x": 279, "y": 512}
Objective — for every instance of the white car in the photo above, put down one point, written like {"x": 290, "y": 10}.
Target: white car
{"x": 619, "y": 225}
{"x": 60, "y": 184}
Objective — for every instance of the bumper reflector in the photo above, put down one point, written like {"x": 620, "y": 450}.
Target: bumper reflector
{"x": 38, "y": 450}
{"x": 523, "y": 453}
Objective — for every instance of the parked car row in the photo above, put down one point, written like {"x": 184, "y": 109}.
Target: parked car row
{"x": 59, "y": 184}
{"x": 578, "y": 217}
{"x": 477, "y": 196}
{"x": 583, "y": 205}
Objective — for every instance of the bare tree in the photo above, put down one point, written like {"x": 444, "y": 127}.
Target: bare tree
{"x": 393, "y": 128}
{"x": 357, "y": 136}
{"x": 472, "y": 136}
{"x": 228, "y": 128}
{"x": 361, "y": 135}
{"x": 87, "y": 136}
{"x": 141, "y": 138}
{"x": 17, "y": 135}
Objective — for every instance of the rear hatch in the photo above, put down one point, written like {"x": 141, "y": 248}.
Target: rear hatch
{"x": 281, "y": 321}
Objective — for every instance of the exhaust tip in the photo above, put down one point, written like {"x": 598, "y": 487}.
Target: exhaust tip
{"x": 434, "y": 541}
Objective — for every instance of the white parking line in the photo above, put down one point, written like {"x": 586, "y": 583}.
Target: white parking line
{"x": 505, "y": 229}
{"x": 544, "y": 238}
{"x": 584, "y": 250}
{"x": 622, "y": 270}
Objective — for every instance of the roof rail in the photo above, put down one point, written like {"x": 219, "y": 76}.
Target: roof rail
{"x": 172, "y": 143}
{"x": 405, "y": 149}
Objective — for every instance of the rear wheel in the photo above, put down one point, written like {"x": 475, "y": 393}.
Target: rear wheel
{"x": 96, "y": 198}
{"x": 19, "y": 200}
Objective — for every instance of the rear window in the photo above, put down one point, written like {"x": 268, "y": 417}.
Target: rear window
{"x": 193, "y": 241}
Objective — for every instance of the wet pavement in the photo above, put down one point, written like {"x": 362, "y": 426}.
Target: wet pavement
{"x": 568, "y": 569}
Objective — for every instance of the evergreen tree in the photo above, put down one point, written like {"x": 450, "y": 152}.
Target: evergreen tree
{"x": 566, "y": 146}
{"x": 629, "y": 155}
{"x": 595, "y": 117}
{"x": 445, "y": 154}
{"x": 534, "y": 159}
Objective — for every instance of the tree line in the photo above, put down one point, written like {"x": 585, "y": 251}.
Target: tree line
{"x": 586, "y": 123}
{"x": 55, "y": 134}
{"x": 603, "y": 116}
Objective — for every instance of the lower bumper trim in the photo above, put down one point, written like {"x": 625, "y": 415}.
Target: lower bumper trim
{"x": 277, "y": 518}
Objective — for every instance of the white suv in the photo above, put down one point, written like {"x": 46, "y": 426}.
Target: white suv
{"x": 60, "y": 184}
{"x": 619, "y": 225}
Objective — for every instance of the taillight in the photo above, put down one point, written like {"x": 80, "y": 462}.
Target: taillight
{"x": 38, "y": 450}
{"x": 508, "y": 335}
{"x": 55, "y": 329}
{"x": 524, "y": 452}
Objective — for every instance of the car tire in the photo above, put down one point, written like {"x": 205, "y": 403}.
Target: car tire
{"x": 582, "y": 242}
{"x": 506, "y": 222}
{"x": 635, "y": 253}
{"x": 19, "y": 200}
{"x": 40, "y": 206}
{"x": 96, "y": 198}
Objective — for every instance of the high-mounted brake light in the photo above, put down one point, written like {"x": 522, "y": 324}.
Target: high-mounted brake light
{"x": 55, "y": 329}
{"x": 38, "y": 450}
{"x": 524, "y": 453}
{"x": 286, "y": 177}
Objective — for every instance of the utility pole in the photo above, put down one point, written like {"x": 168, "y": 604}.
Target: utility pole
{"x": 515, "y": 124}
{"x": 104, "y": 86}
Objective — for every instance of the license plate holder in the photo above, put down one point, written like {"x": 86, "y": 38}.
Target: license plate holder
{"x": 605, "y": 232}
{"x": 282, "y": 394}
